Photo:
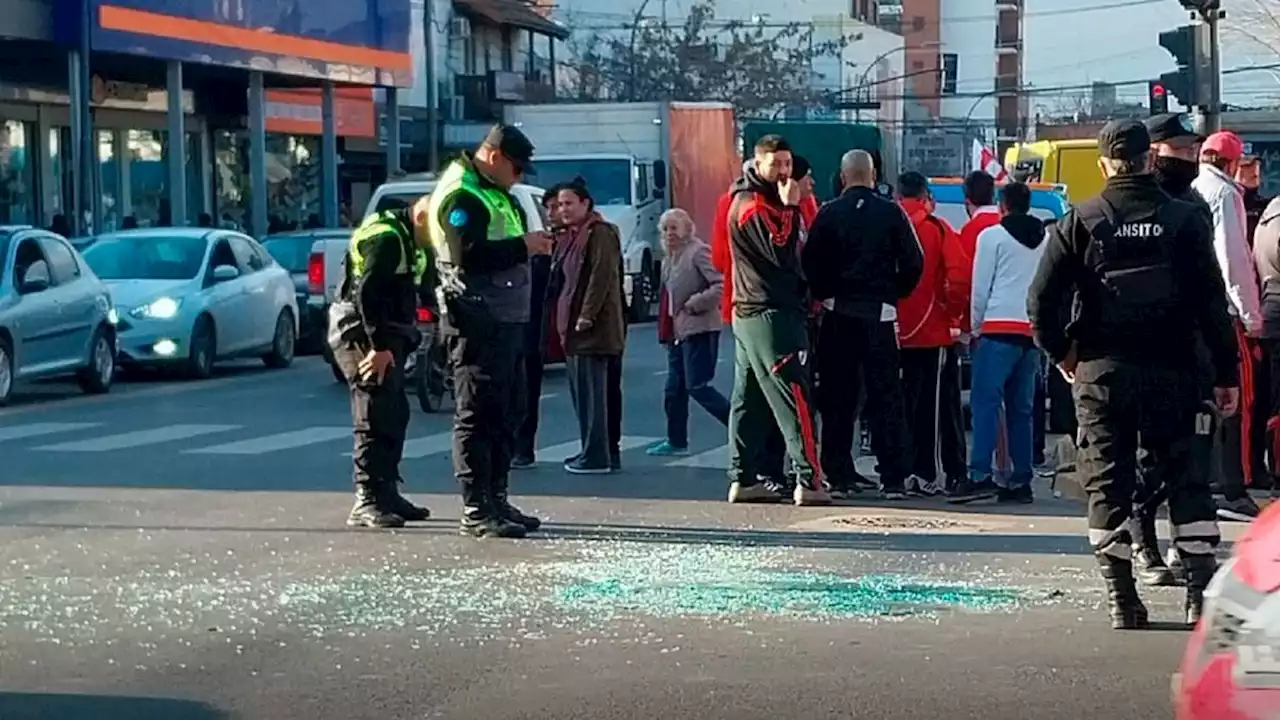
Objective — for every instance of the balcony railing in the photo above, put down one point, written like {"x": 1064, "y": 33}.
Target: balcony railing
{"x": 485, "y": 96}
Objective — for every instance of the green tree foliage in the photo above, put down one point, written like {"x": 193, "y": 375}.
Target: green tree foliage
{"x": 758, "y": 66}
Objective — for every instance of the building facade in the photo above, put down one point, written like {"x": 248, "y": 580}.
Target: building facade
{"x": 92, "y": 91}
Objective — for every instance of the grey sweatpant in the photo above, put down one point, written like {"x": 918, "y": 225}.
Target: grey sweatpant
{"x": 588, "y": 387}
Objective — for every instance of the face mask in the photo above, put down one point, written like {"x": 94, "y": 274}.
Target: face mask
{"x": 1175, "y": 173}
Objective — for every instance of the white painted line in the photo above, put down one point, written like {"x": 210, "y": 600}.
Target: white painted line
{"x": 713, "y": 459}
{"x": 429, "y": 445}
{"x": 556, "y": 453}
{"x": 660, "y": 373}
{"x": 140, "y": 438}
{"x": 275, "y": 443}
{"x": 20, "y": 432}
{"x": 548, "y": 396}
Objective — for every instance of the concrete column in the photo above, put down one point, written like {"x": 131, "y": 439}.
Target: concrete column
{"x": 74, "y": 207}
{"x": 328, "y": 159}
{"x": 257, "y": 155}
{"x": 176, "y": 152}
{"x": 392, "y": 134}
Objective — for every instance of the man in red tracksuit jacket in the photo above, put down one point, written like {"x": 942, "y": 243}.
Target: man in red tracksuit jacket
{"x": 773, "y": 459}
{"x": 928, "y": 323}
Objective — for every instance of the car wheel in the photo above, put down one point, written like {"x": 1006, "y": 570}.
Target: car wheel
{"x": 6, "y": 371}
{"x": 95, "y": 378}
{"x": 283, "y": 343}
{"x": 203, "y": 350}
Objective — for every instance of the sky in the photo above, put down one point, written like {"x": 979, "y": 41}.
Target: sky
{"x": 1073, "y": 42}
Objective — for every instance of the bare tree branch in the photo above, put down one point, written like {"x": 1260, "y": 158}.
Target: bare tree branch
{"x": 755, "y": 66}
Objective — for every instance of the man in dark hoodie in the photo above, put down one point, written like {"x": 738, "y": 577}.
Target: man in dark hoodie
{"x": 861, "y": 258}
{"x": 1138, "y": 270}
{"x": 771, "y": 377}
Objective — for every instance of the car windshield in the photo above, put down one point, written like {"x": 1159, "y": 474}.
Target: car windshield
{"x": 292, "y": 252}
{"x": 146, "y": 257}
{"x": 609, "y": 181}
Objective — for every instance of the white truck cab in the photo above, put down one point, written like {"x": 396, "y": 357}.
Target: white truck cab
{"x": 629, "y": 192}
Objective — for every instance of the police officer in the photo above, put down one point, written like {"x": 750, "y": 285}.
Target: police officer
{"x": 481, "y": 251}
{"x": 1137, "y": 270}
{"x": 372, "y": 330}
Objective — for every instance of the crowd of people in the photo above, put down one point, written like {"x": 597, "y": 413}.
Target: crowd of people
{"x": 1149, "y": 301}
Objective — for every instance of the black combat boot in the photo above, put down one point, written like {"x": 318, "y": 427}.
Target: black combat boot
{"x": 400, "y": 505}
{"x": 1200, "y": 570}
{"x": 372, "y": 509}
{"x": 1147, "y": 562}
{"x": 510, "y": 512}
{"x": 1127, "y": 610}
{"x": 484, "y": 522}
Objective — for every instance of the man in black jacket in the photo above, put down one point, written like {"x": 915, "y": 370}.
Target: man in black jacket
{"x": 861, "y": 258}
{"x": 771, "y": 377}
{"x": 1138, "y": 268}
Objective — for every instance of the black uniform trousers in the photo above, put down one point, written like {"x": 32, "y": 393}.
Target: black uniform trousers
{"x": 937, "y": 434}
{"x": 379, "y": 415}
{"x": 485, "y": 357}
{"x": 1115, "y": 402}
{"x": 861, "y": 355}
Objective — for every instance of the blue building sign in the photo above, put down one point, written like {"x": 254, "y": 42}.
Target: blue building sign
{"x": 352, "y": 41}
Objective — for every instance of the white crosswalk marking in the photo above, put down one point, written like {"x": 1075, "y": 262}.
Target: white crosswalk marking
{"x": 273, "y": 443}
{"x": 713, "y": 459}
{"x": 21, "y": 432}
{"x": 556, "y": 453}
{"x": 139, "y": 438}
{"x": 429, "y": 445}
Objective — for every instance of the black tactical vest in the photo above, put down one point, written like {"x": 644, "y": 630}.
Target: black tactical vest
{"x": 1134, "y": 257}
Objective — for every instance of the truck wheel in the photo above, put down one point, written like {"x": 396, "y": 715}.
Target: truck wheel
{"x": 643, "y": 290}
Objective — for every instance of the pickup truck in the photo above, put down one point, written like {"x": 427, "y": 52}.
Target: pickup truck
{"x": 326, "y": 267}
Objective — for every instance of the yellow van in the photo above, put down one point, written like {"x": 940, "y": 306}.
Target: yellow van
{"x": 1073, "y": 163}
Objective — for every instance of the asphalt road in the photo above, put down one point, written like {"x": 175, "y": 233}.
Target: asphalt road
{"x": 176, "y": 551}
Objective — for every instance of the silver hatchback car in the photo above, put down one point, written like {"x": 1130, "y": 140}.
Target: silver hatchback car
{"x": 56, "y": 316}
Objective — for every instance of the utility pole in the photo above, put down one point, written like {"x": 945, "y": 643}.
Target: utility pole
{"x": 1213, "y": 113}
{"x": 433, "y": 102}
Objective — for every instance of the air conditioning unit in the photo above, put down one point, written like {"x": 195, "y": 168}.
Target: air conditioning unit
{"x": 460, "y": 28}
{"x": 455, "y": 107}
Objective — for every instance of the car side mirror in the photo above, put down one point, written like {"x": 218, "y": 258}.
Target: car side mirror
{"x": 35, "y": 279}
{"x": 223, "y": 273}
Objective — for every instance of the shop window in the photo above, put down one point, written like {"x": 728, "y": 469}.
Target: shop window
{"x": 144, "y": 151}
{"x": 17, "y": 176}
{"x": 231, "y": 179}
{"x": 111, "y": 209}
{"x": 293, "y": 182}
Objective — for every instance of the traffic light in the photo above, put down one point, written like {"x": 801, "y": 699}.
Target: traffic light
{"x": 1189, "y": 45}
{"x": 1157, "y": 98}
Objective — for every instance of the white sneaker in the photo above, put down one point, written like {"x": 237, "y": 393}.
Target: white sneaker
{"x": 805, "y": 497}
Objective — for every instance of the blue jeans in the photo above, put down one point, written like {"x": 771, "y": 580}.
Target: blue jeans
{"x": 691, "y": 366}
{"x": 1005, "y": 372}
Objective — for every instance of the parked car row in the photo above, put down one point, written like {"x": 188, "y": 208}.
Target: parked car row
{"x": 161, "y": 297}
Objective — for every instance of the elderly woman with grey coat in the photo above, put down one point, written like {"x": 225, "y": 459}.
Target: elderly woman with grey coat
{"x": 690, "y": 312}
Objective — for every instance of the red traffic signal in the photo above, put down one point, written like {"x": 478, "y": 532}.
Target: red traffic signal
{"x": 1157, "y": 98}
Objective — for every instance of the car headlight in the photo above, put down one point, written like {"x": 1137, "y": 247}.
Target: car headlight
{"x": 159, "y": 309}
{"x": 113, "y": 316}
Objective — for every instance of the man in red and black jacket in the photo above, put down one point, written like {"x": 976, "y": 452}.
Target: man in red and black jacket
{"x": 769, "y": 316}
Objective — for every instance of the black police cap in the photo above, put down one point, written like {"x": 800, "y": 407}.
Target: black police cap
{"x": 512, "y": 143}
{"x": 1167, "y": 127}
{"x": 1124, "y": 140}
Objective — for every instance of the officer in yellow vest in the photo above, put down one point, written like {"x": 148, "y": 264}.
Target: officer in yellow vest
{"x": 372, "y": 329}
{"x": 481, "y": 248}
